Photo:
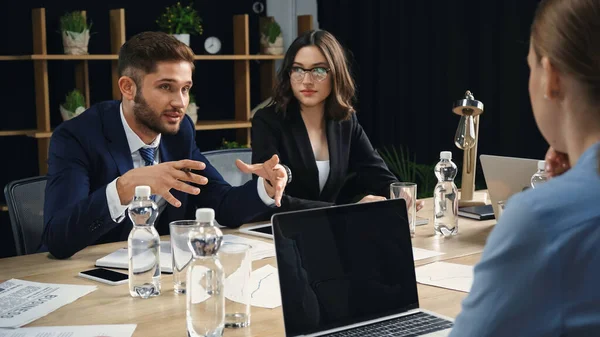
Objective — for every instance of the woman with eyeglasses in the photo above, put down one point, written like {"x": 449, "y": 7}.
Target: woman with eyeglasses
{"x": 311, "y": 124}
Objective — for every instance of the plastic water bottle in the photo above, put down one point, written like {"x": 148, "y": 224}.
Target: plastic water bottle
{"x": 205, "y": 314}
{"x": 540, "y": 176}
{"x": 445, "y": 200}
{"x": 144, "y": 246}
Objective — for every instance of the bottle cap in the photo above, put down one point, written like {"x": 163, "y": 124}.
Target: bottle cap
{"x": 541, "y": 165}
{"x": 205, "y": 215}
{"x": 446, "y": 155}
{"x": 142, "y": 191}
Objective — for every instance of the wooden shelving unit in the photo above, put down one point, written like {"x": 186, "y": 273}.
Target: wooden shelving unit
{"x": 241, "y": 63}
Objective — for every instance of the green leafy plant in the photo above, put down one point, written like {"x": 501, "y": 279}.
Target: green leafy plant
{"x": 74, "y": 100}
{"x": 178, "y": 19}
{"x": 231, "y": 145}
{"x": 271, "y": 30}
{"x": 74, "y": 22}
{"x": 405, "y": 168}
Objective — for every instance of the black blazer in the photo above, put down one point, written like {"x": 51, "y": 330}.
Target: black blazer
{"x": 356, "y": 169}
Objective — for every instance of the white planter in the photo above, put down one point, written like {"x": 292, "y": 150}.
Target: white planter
{"x": 192, "y": 111}
{"x": 275, "y": 48}
{"x": 66, "y": 114}
{"x": 76, "y": 43}
{"x": 185, "y": 38}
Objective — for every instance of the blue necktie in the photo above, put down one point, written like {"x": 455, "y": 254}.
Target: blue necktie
{"x": 148, "y": 156}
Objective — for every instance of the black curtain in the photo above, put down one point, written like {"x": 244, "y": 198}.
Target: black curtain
{"x": 413, "y": 59}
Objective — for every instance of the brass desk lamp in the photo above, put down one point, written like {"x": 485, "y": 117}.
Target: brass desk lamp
{"x": 466, "y": 137}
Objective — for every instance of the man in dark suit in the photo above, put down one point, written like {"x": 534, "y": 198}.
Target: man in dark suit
{"x": 97, "y": 159}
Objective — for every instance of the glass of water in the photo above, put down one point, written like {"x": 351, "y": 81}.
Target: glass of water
{"x": 408, "y": 192}
{"x": 180, "y": 251}
{"x": 237, "y": 267}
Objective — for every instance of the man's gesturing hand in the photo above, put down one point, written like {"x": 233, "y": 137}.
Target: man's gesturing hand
{"x": 272, "y": 172}
{"x": 162, "y": 178}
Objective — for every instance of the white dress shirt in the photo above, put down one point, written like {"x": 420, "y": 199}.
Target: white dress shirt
{"x": 323, "y": 167}
{"x": 117, "y": 211}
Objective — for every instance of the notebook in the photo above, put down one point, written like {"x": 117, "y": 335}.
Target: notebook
{"x": 348, "y": 270}
{"x": 120, "y": 258}
{"x": 485, "y": 212}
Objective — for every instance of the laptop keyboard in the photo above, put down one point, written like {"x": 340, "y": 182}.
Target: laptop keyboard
{"x": 412, "y": 325}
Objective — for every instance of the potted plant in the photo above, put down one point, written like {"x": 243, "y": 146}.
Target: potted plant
{"x": 73, "y": 106}
{"x": 271, "y": 38}
{"x": 75, "y": 33}
{"x": 181, "y": 22}
{"x": 225, "y": 144}
{"x": 192, "y": 109}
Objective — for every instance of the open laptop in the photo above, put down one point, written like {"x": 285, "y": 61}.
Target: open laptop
{"x": 349, "y": 271}
{"x": 505, "y": 176}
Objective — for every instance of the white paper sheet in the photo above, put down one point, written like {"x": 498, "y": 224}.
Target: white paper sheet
{"x": 120, "y": 258}
{"x": 121, "y": 330}
{"x": 22, "y": 302}
{"x": 259, "y": 249}
{"x": 446, "y": 275}
{"x": 421, "y": 254}
{"x": 264, "y": 286}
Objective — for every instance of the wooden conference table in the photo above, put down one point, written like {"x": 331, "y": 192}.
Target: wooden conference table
{"x": 165, "y": 315}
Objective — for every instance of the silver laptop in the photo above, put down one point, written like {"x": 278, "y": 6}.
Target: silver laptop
{"x": 505, "y": 176}
{"x": 349, "y": 271}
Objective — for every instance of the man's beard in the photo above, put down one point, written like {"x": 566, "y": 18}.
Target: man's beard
{"x": 148, "y": 117}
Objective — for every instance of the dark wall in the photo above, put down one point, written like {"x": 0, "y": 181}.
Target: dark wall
{"x": 413, "y": 59}
{"x": 213, "y": 80}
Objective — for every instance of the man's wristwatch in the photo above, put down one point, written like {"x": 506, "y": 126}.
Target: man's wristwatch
{"x": 289, "y": 173}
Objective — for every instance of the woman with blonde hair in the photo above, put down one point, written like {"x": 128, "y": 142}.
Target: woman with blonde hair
{"x": 540, "y": 270}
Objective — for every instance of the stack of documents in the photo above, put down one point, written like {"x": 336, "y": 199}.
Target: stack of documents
{"x": 120, "y": 258}
{"x": 22, "y": 302}
{"x": 122, "y": 330}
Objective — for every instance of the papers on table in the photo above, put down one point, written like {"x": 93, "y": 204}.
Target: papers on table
{"x": 446, "y": 275}
{"x": 120, "y": 258}
{"x": 22, "y": 302}
{"x": 264, "y": 286}
{"x": 259, "y": 249}
{"x": 121, "y": 330}
{"x": 421, "y": 254}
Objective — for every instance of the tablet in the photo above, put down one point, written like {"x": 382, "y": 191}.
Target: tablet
{"x": 266, "y": 230}
{"x": 262, "y": 230}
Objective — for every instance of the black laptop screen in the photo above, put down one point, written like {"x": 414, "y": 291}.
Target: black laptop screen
{"x": 344, "y": 265}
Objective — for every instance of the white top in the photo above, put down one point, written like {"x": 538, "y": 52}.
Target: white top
{"x": 323, "y": 167}
{"x": 117, "y": 211}
{"x": 446, "y": 155}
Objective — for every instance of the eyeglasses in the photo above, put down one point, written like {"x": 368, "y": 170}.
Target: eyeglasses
{"x": 317, "y": 74}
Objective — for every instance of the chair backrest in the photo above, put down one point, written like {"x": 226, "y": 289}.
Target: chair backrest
{"x": 224, "y": 162}
{"x": 25, "y": 200}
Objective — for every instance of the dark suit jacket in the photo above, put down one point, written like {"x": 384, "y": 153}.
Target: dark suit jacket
{"x": 91, "y": 150}
{"x": 350, "y": 155}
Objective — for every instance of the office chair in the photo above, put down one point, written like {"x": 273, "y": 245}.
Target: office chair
{"x": 224, "y": 162}
{"x": 25, "y": 200}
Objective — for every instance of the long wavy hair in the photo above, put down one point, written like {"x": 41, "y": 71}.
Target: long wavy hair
{"x": 339, "y": 103}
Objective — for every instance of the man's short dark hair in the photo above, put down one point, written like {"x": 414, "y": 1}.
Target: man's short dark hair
{"x": 140, "y": 54}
